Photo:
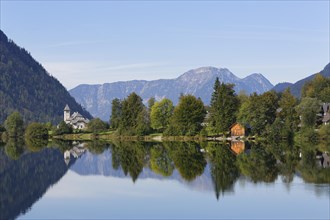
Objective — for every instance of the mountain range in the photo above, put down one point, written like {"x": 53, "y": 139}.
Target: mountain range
{"x": 26, "y": 87}
{"x": 198, "y": 82}
{"x": 295, "y": 88}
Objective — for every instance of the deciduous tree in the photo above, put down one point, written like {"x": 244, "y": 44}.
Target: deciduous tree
{"x": 14, "y": 125}
{"x": 187, "y": 116}
{"x": 160, "y": 115}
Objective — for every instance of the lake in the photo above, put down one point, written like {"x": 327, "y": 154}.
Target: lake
{"x": 173, "y": 180}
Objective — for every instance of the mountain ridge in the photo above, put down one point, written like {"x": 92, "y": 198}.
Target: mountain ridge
{"x": 199, "y": 82}
{"x": 296, "y": 87}
{"x": 26, "y": 87}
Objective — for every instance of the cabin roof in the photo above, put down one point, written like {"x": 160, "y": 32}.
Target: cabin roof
{"x": 243, "y": 125}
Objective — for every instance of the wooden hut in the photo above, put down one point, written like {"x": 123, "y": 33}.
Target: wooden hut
{"x": 238, "y": 130}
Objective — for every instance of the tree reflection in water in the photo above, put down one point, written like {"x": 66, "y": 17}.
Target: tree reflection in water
{"x": 224, "y": 171}
{"x": 38, "y": 167}
{"x": 259, "y": 164}
{"x": 130, "y": 157}
{"x": 160, "y": 161}
{"x": 14, "y": 148}
{"x": 188, "y": 159}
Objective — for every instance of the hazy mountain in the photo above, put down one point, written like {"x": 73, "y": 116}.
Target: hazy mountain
{"x": 296, "y": 87}
{"x": 26, "y": 87}
{"x": 199, "y": 82}
{"x": 280, "y": 87}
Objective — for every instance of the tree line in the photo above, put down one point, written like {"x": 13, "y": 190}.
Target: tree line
{"x": 268, "y": 114}
{"x": 271, "y": 114}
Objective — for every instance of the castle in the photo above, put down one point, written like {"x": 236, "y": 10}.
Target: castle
{"x": 76, "y": 119}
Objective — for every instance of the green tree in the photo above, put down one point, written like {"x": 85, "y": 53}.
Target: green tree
{"x": 143, "y": 126}
{"x": 96, "y": 125}
{"x": 14, "y": 125}
{"x": 324, "y": 133}
{"x": 308, "y": 109}
{"x": 259, "y": 111}
{"x": 187, "y": 116}
{"x": 224, "y": 105}
{"x": 288, "y": 113}
{"x": 36, "y": 130}
{"x": 160, "y": 115}
{"x": 63, "y": 128}
{"x": 318, "y": 88}
{"x": 287, "y": 119}
{"x": 151, "y": 103}
{"x": 116, "y": 113}
{"x": 132, "y": 107}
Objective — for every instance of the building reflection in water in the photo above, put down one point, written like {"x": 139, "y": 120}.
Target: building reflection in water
{"x": 237, "y": 147}
{"x": 76, "y": 151}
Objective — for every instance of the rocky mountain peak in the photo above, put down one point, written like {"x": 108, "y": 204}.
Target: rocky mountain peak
{"x": 198, "y": 82}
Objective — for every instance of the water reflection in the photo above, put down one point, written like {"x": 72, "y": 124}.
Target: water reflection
{"x": 207, "y": 166}
{"x": 24, "y": 181}
{"x": 224, "y": 170}
{"x": 14, "y": 148}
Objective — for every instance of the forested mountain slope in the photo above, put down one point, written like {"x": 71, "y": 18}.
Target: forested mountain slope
{"x": 26, "y": 87}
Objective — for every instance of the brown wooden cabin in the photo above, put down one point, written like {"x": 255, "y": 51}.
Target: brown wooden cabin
{"x": 239, "y": 130}
{"x": 237, "y": 146}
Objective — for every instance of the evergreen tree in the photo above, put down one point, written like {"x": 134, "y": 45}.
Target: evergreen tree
{"x": 116, "y": 113}
{"x": 151, "y": 103}
{"x": 14, "y": 125}
{"x": 132, "y": 108}
{"x": 224, "y": 105}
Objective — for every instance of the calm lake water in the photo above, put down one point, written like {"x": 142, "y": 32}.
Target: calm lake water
{"x": 163, "y": 180}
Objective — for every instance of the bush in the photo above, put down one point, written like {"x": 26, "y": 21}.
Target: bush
{"x": 96, "y": 125}
{"x": 36, "y": 130}
{"x": 63, "y": 128}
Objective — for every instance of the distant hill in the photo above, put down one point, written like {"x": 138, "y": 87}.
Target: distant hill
{"x": 198, "y": 82}
{"x": 280, "y": 87}
{"x": 26, "y": 87}
{"x": 296, "y": 87}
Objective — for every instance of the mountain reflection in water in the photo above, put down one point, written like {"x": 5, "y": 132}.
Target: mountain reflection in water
{"x": 26, "y": 175}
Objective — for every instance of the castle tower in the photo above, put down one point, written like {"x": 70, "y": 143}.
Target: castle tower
{"x": 66, "y": 113}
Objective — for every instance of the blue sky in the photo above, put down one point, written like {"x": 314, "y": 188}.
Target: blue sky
{"x": 106, "y": 41}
